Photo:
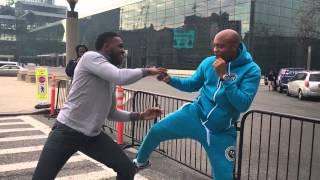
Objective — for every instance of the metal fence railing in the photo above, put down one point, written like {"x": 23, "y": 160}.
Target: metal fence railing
{"x": 270, "y": 145}
{"x": 185, "y": 151}
{"x": 278, "y": 146}
{"x": 63, "y": 90}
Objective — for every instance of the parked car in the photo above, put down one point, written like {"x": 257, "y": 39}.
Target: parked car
{"x": 284, "y": 75}
{"x": 10, "y": 70}
{"x": 305, "y": 84}
{"x": 2, "y": 63}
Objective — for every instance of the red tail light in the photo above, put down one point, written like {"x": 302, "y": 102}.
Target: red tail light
{"x": 306, "y": 84}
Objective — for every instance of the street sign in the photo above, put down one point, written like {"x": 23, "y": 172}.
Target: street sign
{"x": 42, "y": 85}
{"x": 183, "y": 38}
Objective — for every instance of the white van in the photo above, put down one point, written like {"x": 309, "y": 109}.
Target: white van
{"x": 8, "y": 63}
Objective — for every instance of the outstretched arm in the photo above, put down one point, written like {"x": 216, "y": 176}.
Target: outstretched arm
{"x": 102, "y": 68}
{"x": 191, "y": 84}
{"x": 120, "y": 115}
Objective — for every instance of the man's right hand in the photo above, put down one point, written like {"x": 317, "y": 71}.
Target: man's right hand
{"x": 155, "y": 70}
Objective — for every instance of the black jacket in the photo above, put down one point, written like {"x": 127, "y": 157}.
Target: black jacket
{"x": 70, "y": 68}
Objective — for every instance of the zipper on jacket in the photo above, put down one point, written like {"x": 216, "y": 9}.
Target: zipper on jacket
{"x": 214, "y": 99}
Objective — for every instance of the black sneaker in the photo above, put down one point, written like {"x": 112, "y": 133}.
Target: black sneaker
{"x": 141, "y": 166}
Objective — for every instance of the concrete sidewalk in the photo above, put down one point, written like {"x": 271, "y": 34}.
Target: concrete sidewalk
{"x": 17, "y": 96}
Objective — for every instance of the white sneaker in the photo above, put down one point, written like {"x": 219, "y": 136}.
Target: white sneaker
{"x": 141, "y": 166}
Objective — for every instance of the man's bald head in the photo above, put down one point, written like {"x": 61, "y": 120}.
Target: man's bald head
{"x": 230, "y": 36}
{"x": 226, "y": 44}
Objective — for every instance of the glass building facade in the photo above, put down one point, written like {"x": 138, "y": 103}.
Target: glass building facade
{"x": 9, "y": 2}
{"x": 19, "y": 19}
{"x": 51, "y": 38}
{"x": 7, "y": 36}
{"x": 282, "y": 31}
{"x": 178, "y": 33}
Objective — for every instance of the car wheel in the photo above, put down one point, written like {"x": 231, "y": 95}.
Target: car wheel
{"x": 280, "y": 89}
{"x": 300, "y": 95}
{"x": 274, "y": 88}
{"x": 288, "y": 93}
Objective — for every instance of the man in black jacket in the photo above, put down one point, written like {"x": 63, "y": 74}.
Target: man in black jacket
{"x": 80, "y": 50}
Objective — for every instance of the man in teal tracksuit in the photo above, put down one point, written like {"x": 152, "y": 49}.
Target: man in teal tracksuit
{"x": 228, "y": 83}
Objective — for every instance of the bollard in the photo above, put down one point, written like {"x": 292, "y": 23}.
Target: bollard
{"x": 120, "y": 106}
{"x": 53, "y": 95}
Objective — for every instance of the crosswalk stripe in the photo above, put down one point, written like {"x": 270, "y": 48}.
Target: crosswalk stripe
{"x": 32, "y": 164}
{"x": 9, "y": 118}
{"x": 90, "y": 176}
{"x": 13, "y": 123}
{"x": 20, "y": 138}
{"x": 20, "y": 150}
{"x": 17, "y": 130}
{"x": 138, "y": 176}
{"x": 97, "y": 175}
{"x": 108, "y": 172}
{"x": 36, "y": 124}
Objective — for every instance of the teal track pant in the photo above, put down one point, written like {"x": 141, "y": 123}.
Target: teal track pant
{"x": 185, "y": 123}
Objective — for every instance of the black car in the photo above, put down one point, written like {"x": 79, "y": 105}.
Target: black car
{"x": 283, "y": 77}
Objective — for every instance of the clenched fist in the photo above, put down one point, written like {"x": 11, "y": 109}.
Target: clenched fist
{"x": 165, "y": 77}
{"x": 220, "y": 66}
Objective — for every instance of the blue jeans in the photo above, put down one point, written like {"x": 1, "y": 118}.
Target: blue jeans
{"x": 64, "y": 141}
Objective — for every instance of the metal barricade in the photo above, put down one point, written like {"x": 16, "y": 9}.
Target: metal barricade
{"x": 63, "y": 91}
{"x": 278, "y": 146}
{"x": 185, "y": 151}
{"x": 127, "y": 106}
{"x": 270, "y": 145}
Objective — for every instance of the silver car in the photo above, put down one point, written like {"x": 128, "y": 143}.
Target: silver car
{"x": 10, "y": 70}
{"x": 305, "y": 84}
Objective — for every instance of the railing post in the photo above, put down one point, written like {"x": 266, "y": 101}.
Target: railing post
{"x": 53, "y": 95}
{"x": 120, "y": 106}
{"x": 58, "y": 93}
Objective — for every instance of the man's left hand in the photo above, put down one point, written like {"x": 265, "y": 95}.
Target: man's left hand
{"x": 220, "y": 66}
{"x": 150, "y": 114}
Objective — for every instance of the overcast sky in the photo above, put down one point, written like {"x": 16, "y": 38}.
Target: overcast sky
{"x": 85, "y": 7}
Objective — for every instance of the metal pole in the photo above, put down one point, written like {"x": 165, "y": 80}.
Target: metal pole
{"x": 309, "y": 58}
{"x": 252, "y": 27}
{"x": 72, "y": 35}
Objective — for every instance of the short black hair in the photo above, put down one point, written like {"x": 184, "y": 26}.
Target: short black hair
{"x": 79, "y": 46}
{"x": 104, "y": 37}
